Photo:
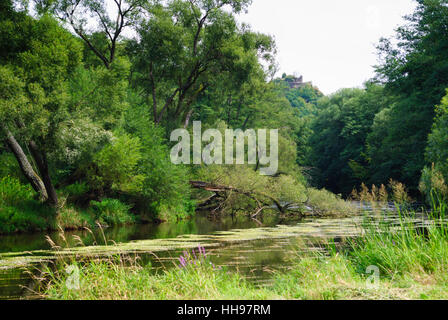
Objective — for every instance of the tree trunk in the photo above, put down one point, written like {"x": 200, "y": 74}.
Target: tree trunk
{"x": 25, "y": 166}
{"x": 42, "y": 165}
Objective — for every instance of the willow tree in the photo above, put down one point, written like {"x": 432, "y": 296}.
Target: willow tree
{"x": 99, "y": 23}
{"x": 184, "y": 46}
{"x": 33, "y": 94}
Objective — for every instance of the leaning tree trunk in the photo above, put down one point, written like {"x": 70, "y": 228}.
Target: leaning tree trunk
{"x": 42, "y": 165}
{"x": 263, "y": 201}
{"x": 25, "y": 166}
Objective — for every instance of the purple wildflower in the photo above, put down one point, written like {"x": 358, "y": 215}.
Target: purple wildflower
{"x": 182, "y": 261}
{"x": 194, "y": 258}
{"x": 202, "y": 251}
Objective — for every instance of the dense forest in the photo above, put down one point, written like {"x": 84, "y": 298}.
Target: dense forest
{"x": 90, "y": 91}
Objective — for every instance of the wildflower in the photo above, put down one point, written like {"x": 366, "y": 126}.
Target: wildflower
{"x": 182, "y": 261}
{"x": 196, "y": 257}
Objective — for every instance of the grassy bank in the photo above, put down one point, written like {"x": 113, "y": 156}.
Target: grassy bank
{"x": 412, "y": 264}
{"x": 21, "y": 212}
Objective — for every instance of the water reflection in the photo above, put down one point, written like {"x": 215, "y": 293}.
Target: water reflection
{"x": 256, "y": 259}
{"x": 200, "y": 225}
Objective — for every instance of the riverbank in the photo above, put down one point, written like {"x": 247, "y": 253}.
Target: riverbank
{"x": 331, "y": 278}
{"x": 21, "y": 212}
{"x": 390, "y": 261}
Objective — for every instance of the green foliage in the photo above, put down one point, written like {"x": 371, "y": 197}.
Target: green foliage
{"x": 303, "y": 98}
{"x": 433, "y": 179}
{"x": 116, "y": 166}
{"x": 285, "y": 188}
{"x": 328, "y": 204}
{"x": 77, "y": 142}
{"x": 437, "y": 150}
{"x": 18, "y": 210}
{"x": 100, "y": 93}
{"x": 12, "y": 192}
{"x": 9, "y": 166}
{"x": 415, "y": 72}
{"x": 340, "y": 128}
{"x": 99, "y": 107}
{"x": 433, "y": 183}
{"x": 186, "y": 48}
{"x": 16, "y": 219}
{"x": 165, "y": 187}
{"x": 112, "y": 212}
{"x": 409, "y": 249}
{"x": 77, "y": 189}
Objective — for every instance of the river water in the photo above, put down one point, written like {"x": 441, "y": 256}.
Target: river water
{"x": 254, "y": 248}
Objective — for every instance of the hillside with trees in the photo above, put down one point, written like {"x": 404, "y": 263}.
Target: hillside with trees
{"x": 87, "y": 106}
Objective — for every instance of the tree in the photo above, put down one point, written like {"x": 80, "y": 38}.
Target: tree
{"x": 33, "y": 95}
{"x": 185, "y": 47}
{"x": 340, "y": 130}
{"x": 415, "y": 73}
{"x": 102, "y": 36}
{"x": 437, "y": 149}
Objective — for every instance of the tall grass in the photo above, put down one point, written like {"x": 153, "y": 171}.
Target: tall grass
{"x": 413, "y": 246}
{"x": 124, "y": 277}
{"x": 412, "y": 259}
{"x": 20, "y": 211}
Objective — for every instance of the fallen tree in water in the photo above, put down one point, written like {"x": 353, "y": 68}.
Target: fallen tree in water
{"x": 240, "y": 189}
{"x": 221, "y": 194}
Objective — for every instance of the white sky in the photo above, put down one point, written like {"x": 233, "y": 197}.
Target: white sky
{"x": 331, "y": 43}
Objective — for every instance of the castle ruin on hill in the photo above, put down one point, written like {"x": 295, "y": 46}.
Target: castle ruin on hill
{"x": 296, "y": 82}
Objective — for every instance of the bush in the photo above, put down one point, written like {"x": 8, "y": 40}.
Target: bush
{"x": 13, "y": 193}
{"x": 76, "y": 190}
{"x": 327, "y": 203}
{"x": 165, "y": 189}
{"x": 432, "y": 181}
{"x": 9, "y": 166}
{"x": 112, "y": 212}
{"x": 20, "y": 219}
{"x": 115, "y": 167}
{"x": 18, "y": 210}
{"x": 437, "y": 149}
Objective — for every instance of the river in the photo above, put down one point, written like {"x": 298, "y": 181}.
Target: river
{"x": 254, "y": 248}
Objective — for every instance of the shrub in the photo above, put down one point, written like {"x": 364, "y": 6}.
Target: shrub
{"x": 165, "y": 189}
{"x": 76, "y": 189}
{"x": 112, "y": 212}
{"x": 115, "y": 167}
{"x": 437, "y": 149}
{"x": 327, "y": 203}
{"x": 13, "y": 193}
{"x": 9, "y": 166}
{"x": 21, "y": 219}
{"x": 432, "y": 181}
